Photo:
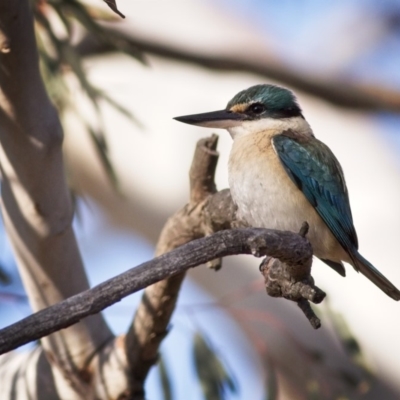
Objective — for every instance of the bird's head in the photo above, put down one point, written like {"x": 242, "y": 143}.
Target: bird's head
{"x": 252, "y": 110}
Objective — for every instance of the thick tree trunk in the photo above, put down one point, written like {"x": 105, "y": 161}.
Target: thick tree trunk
{"x": 37, "y": 209}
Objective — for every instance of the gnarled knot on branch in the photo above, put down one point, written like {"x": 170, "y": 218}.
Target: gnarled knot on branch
{"x": 293, "y": 282}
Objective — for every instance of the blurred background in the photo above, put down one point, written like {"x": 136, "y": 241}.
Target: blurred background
{"x": 118, "y": 84}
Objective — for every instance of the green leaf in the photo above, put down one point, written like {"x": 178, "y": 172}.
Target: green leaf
{"x": 120, "y": 108}
{"x": 349, "y": 342}
{"x": 353, "y": 349}
{"x": 313, "y": 390}
{"x": 4, "y": 278}
{"x": 101, "y": 147}
{"x": 214, "y": 379}
{"x": 99, "y": 14}
{"x": 113, "y": 5}
{"x": 115, "y": 40}
{"x": 57, "y": 54}
{"x": 63, "y": 18}
{"x": 271, "y": 384}
{"x": 165, "y": 379}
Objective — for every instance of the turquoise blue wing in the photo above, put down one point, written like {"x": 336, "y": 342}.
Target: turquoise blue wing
{"x": 317, "y": 173}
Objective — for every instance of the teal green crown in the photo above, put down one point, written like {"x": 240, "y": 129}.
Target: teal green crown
{"x": 274, "y": 98}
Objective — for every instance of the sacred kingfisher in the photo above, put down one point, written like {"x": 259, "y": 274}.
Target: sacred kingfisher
{"x": 281, "y": 175}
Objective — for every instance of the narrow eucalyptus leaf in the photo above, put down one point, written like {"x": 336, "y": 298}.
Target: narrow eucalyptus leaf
{"x": 99, "y": 142}
{"x": 165, "y": 379}
{"x": 63, "y": 18}
{"x": 82, "y": 14}
{"x": 120, "y": 108}
{"x": 113, "y": 38}
{"x": 99, "y": 14}
{"x": 4, "y": 277}
{"x": 348, "y": 340}
{"x": 113, "y": 5}
{"x": 214, "y": 378}
{"x": 271, "y": 384}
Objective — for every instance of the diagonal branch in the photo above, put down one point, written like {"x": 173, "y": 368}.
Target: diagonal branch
{"x": 152, "y": 317}
{"x": 228, "y": 242}
{"x": 338, "y": 92}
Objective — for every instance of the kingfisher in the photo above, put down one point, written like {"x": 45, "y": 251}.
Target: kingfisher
{"x": 281, "y": 175}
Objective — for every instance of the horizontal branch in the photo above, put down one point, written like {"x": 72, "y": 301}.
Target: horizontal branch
{"x": 289, "y": 247}
{"x": 336, "y": 91}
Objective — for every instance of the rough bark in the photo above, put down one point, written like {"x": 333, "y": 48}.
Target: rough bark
{"x": 151, "y": 320}
{"x": 286, "y": 246}
{"x": 36, "y": 204}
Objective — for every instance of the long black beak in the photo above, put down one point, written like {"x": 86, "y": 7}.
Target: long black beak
{"x": 215, "y": 119}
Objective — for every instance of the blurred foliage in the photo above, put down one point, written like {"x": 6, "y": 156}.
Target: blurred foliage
{"x": 4, "y": 278}
{"x": 165, "y": 379}
{"x": 271, "y": 383}
{"x": 354, "y": 351}
{"x": 59, "y": 26}
{"x": 214, "y": 379}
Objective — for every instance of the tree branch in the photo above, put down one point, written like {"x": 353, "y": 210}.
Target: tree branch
{"x": 254, "y": 241}
{"x": 207, "y": 212}
{"x": 36, "y": 204}
{"x": 343, "y": 94}
{"x": 152, "y": 317}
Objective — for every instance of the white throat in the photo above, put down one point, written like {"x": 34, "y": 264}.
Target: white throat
{"x": 296, "y": 124}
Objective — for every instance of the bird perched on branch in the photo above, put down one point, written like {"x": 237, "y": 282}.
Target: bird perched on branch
{"x": 281, "y": 175}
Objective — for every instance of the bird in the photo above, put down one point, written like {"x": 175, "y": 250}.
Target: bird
{"x": 281, "y": 175}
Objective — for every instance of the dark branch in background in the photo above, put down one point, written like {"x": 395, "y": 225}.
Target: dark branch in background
{"x": 338, "y": 92}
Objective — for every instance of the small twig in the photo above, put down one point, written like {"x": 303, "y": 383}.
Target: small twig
{"x": 202, "y": 170}
{"x": 309, "y": 313}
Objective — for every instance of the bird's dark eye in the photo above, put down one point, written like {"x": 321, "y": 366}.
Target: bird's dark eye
{"x": 256, "y": 108}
